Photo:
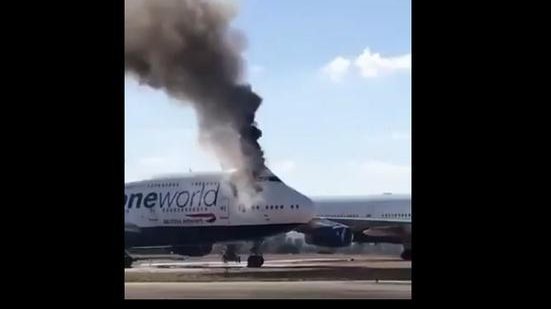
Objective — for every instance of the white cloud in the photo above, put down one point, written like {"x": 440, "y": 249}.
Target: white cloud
{"x": 373, "y": 64}
{"x": 337, "y": 68}
{"x": 368, "y": 65}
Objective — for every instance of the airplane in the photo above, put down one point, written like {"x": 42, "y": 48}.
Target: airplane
{"x": 188, "y": 214}
{"x": 373, "y": 219}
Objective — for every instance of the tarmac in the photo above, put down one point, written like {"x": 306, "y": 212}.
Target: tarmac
{"x": 304, "y": 276}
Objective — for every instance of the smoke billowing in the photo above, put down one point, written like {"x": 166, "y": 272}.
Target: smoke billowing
{"x": 187, "y": 48}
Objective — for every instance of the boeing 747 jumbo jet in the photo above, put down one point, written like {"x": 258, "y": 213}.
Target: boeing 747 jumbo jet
{"x": 189, "y": 214}
{"x": 373, "y": 219}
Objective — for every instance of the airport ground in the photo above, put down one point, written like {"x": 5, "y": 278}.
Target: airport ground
{"x": 269, "y": 290}
{"x": 282, "y": 276}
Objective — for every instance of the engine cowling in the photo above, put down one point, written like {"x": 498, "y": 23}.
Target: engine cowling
{"x": 199, "y": 250}
{"x": 329, "y": 236}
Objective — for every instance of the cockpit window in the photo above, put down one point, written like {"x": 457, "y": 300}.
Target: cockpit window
{"x": 269, "y": 178}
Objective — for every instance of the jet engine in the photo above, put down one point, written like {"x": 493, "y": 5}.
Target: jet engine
{"x": 329, "y": 236}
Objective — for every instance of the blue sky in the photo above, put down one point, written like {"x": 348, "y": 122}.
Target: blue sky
{"x": 336, "y": 117}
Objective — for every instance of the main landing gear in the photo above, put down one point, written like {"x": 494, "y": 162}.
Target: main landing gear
{"x": 256, "y": 259}
{"x": 128, "y": 260}
{"x": 406, "y": 254}
{"x": 230, "y": 254}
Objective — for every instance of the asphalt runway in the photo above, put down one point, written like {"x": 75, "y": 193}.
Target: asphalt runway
{"x": 281, "y": 276}
{"x": 276, "y": 268}
{"x": 269, "y": 290}
{"x": 277, "y": 260}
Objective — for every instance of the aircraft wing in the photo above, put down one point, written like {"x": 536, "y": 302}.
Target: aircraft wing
{"x": 369, "y": 227}
{"x": 360, "y": 224}
{"x": 317, "y": 223}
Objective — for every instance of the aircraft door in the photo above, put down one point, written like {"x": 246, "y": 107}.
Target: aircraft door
{"x": 224, "y": 208}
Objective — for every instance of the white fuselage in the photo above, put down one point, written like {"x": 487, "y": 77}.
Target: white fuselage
{"x": 209, "y": 207}
{"x": 377, "y": 207}
{"x": 183, "y": 201}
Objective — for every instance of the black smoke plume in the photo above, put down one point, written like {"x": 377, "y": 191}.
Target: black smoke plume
{"x": 188, "y": 49}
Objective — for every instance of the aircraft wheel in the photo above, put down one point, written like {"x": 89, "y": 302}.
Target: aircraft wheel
{"x": 255, "y": 261}
{"x": 406, "y": 255}
{"x": 128, "y": 262}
